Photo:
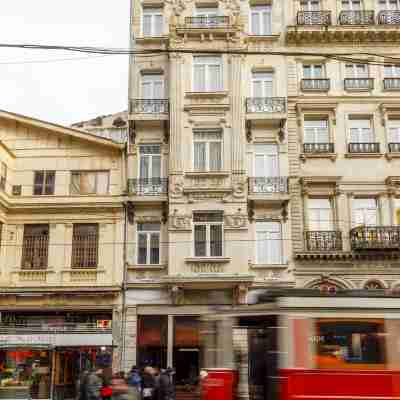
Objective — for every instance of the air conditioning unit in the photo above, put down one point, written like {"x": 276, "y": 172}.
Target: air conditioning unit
{"x": 16, "y": 190}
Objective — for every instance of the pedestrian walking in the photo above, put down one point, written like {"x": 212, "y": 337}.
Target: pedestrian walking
{"x": 134, "y": 384}
{"x": 149, "y": 384}
{"x": 93, "y": 385}
{"x": 166, "y": 389}
{"x": 119, "y": 387}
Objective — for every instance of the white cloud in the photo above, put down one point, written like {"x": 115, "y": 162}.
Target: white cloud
{"x": 67, "y": 91}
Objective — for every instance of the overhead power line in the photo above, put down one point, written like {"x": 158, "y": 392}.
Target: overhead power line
{"x": 353, "y": 57}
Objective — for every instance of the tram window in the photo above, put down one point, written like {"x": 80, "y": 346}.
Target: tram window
{"x": 349, "y": 343}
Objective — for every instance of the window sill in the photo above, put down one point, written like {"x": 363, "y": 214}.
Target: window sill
{"x": 208, "y": 260}
{"x": 141, "y": 267}
{"x": 359, "y": 90}
{"x": 331, "y": 156}
{"x": 206, "y": 173}
{"x": 363, "y": 155}
{"x": 47, "y": 270}
{"x": 391, "y": 90}
{"x": 268, "y": 266}
{"x": 314, "y": 90}
{"x": 83, "y": 269}
{"x": 389, "y": 156}
{"x": 201, "y": 95}
{"x": 264, "y": 38}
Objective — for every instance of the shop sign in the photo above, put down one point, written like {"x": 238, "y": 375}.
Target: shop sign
{"x": 23, "y": 340}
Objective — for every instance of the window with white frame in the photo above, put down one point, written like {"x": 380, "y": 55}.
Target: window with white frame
{"x": 207, "y": 150}
{"x": 320, "y": 214}
{"x": 208, "y": 233}
{"x": 266, "y": 160}
{"x": 310, "y": 5}
{"x": 150, "y": 162}
{"x": 360, "y": 130}
{"x": 364, "y": 212}
{"x": 90, "y": 182}
{"x": 207, "y": 74}
{"x": 262, "y": 84}
{"x": 148, "y": 243}
{"x": 261, "y": 20}
{"x": 152, "y": 23}
{"x": 355, "y": 71}
{"x": 351, "y": 5}
{"x": 392, "y": 71}
{"x": 316, "y": 130}
{"x": 268, "y": 243}
{"x": 394, "y": 130}
{"x": 393, "y": 5}
{"x": 152, "y": 86}
{"x": 313, "y": 71}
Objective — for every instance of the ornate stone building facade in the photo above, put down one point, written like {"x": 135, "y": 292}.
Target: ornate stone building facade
{"x": 254, "y": 160}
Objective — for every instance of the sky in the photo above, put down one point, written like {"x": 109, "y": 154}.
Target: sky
{"x": 63, "y": 92}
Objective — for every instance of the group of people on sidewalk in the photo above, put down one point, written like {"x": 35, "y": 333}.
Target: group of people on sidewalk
{"x": 150, "y": 383}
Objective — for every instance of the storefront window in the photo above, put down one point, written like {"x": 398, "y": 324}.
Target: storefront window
{"x": 347, "y": 344}
{"x": 25, "y": 373}
{"x": 152, "y": 340}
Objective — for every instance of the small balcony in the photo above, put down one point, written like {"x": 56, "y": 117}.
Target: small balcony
{"x": 314, "y": 18}
{"x": 357, "y": 17}
{"x": 315, "y": 85}
{"x": 260, "y": 108}
{"x": 389, "y": 17}
{"x": 359, "y": 84}
{"x": 394, "y": 147}
{"x": 318, "y": 148}
{"x": 323, "y": 241}
{"x": 148, "y": 186}
{"x": 375, "y": 238}
{"x": 149, "y": 109}
{"x": 364, "y": 148}
{"x": 268, "y": 185}
{"x": 207, "y": 22}
{"x": 391, "y": 84}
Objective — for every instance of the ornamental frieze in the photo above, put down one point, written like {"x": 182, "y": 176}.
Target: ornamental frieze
{"x": 180, "y": 222}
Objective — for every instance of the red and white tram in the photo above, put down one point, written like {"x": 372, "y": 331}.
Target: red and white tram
{"x": 308, "y": 345}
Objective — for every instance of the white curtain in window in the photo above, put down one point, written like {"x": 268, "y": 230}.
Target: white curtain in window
{"x": 316, "y": 131}
{"x": 200, "y": 156}
{"x": 262, "y": 84}
{"x": 261, "y": 21}
{"x": 199, "y": 78}
{"x": 215, "y": 156}
{"x": 364, "y": 212}
{"x": 144, "y": 166}
{"x": 147, "y": 19}
{"x": 83, "y": 183}
{"x": 102, "y": 182}
{"x": 319, "y": 215}
{"x": 214, "y": 78}
{"x": 269, "y": 243}
{"x": 394, "y": 130}
{"x": 360, "y": 131}
{"x": 310, "y": 5}
{"x": 152, "y": 86}
{"x": 266, "y": 160}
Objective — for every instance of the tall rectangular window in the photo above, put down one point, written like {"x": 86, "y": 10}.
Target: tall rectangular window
{"x": 207, "y": 150}
{"x": 208, "y": 234}
{"x": 261, "y": 20}
{"x": 90, "y": 182}
{"x": 310, "y": 5}
{"x": 150, "y": 161}
{"x": 360, "y": 130}
{"x": 320, "y": 215}
{"x": 35, "y": 247}
{"x": 364, "y": 212}
{"x": 266, "y": 160}
{"x": 394, "y": 130}
{"x": 152, "y": 86}
{"x": 269, "y": 243}
{"x": 262, "y": 84}
{"x": 153, "y": 24}
{"x": 357, "y": 71}
{"x": 3, "y": 176}
{"x": 43, "y": 183}
{"x": 207, "y": 74}
{"x": 316, "y": 131}
{"x": 148, "y": 243}
{"x": 313, "y": 71}
{"x": 85, "y": 243}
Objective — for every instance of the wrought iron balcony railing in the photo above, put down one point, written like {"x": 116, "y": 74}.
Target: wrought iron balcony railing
{"x": 271, "y": 184}
{"x": 320, "y": 84}
{"x": 359, "y": 83}
{"x": 266, "y": 104}
{"x": 357, "y": 17}
{"x": 216, "y": 21}
{"x": 318, "y": 148}
{"x": 394, "y": 147}
{"x": 389, "y": 17}
{"x": 314, "y": 18}
{"x": 148, "y": 186}
{"x": 324, "y": 240}
{"x": 391, "y": 83}
{"x": 149, "y": 106}
{"x": 375, "y": 238}
{"x": 364, "y": 148}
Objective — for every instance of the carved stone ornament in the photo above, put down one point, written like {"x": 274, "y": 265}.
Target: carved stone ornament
{"x": 143, "y": 219}
{"x": 176, "y": 187}
{"x": 177, "y": 295}
{"x": 239, "y": 187}
{"x": 177, "y": 6}
{"x": 180, "y": 222}
{"x": 236, "y": 221}
{"x": 241, "y": 294}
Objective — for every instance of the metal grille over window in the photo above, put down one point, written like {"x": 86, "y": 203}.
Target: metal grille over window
{"x": 35, "y": 247}
{"x": 148, "y": 239}
{"x": 208, "y": 234}
{"x": 85, "y": 246}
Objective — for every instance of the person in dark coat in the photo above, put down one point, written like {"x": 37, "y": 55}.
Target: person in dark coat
{"x": 148, "y": 384}
{"x": 166, "y": 388}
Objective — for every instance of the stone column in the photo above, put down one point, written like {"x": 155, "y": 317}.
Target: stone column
{"x": 170, "y": 341}
{"x": 241, "y": 349}
{"x": 129, "y": 358}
